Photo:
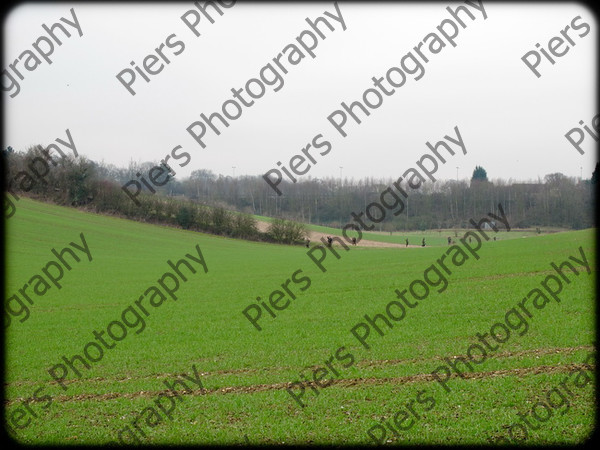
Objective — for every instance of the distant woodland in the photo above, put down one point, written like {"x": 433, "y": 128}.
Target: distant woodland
{"x": 210, "y": 202}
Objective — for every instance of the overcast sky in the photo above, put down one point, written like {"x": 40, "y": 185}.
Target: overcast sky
{"x": 512, "y": 122}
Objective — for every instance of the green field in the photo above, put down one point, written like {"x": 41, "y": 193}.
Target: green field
{"x": 432, "y": 237}
{"x": 244, "y": 372}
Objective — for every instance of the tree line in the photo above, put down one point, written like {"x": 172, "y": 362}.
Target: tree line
{"x": 222, "y": 204}
{"x": 85, "y": 184}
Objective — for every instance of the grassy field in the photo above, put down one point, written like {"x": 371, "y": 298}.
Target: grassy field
{"x": 432, "y": 237}
{"x": 244, "y": 372}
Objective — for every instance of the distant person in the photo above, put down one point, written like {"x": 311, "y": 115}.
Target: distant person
{"x": 307, "y": 243}
{"x": 449, "y": 240}
{"x": 407, "y": 242}
{"x": 329, "y": 241}
{"x": 354, "y": 241}
{"x": 423, "y": 243}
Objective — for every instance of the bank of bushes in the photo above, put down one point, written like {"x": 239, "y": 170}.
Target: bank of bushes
{"x": 76, "y": 182}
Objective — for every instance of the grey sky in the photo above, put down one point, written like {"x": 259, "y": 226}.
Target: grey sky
{"x": 512, "y": 123}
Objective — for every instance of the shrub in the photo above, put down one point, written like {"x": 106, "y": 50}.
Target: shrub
{"x": 184, "y": 217}
{"x": 286, "y": 231}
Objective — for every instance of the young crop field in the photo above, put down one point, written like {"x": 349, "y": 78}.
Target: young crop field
{"x": 367, "y": 351}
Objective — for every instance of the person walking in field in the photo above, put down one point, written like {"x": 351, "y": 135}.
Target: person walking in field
{"x": 329, "y": 241}
{"x": 423, "y": 243}
{"x": 407, "y": 242}
{"x": 354, "y": 241}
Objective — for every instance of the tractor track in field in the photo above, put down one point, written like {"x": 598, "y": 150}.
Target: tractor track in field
{"x": 363, "y": 363}
{"x": 534, "y": 352}
{"x": 347, "y": 382}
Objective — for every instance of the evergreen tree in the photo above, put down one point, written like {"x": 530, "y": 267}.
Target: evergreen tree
{"x": 479, "y": 174}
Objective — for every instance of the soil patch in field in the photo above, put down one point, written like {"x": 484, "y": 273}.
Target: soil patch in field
{"x": 315, "y": 236}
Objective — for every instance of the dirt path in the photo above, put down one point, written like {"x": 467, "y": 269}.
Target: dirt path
{"x": 315, "y": 236}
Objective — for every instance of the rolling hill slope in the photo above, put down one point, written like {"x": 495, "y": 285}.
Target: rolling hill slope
{"x": 238, "y": 376}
